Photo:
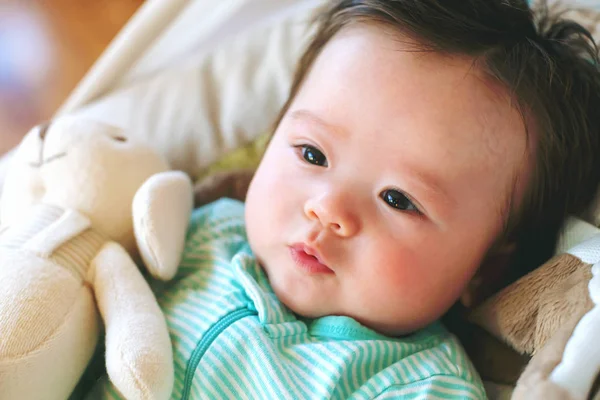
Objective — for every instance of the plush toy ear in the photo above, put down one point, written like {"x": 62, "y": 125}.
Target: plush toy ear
{"x": 23, "y": 186}
{"x": 161, "y": 213}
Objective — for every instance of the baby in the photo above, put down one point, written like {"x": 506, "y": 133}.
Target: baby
{"x": 428, "y": 150}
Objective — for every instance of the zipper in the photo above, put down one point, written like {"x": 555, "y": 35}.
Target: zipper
{"x": 205, "y": 342}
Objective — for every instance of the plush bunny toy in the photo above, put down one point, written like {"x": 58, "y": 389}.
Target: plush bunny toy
{"x": 77, "y": 197}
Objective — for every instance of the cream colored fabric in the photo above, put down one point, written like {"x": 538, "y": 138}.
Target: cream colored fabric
{"x": 164, "y": 34}
{"x": 186, "y": 41}
{"x": 4, "y": 162}
{"x": 133, "y": 40}
{"x": 66, "y": 230}
{"x": 200, "y": 89}
{"x": 47, "y": 317}
{"x": 197, "y": 113}
{"x": 139, "y": 358}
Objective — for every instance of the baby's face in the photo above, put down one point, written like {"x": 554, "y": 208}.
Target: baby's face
{"x": 385, "y": 183}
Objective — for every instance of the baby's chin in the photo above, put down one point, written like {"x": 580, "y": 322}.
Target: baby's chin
{"x": 308, "y": 308}
{"x": 310, "y": 301}
{"x": 302, "y": 306}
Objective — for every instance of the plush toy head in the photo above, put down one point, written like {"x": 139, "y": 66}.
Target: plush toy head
{"x": 83, "y": 165}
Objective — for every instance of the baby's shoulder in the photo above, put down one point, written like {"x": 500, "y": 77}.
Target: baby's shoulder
{"x": 224, "y": 216}
{"x": 218, "y": 226}
{"x": 442, "y": 347}
{"x": 430, "y": 361}
{"x": 443, "y": 364}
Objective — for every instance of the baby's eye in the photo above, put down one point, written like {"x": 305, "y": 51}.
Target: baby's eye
{"x": 312, "y": 155}
{"x": 398, "y": 200}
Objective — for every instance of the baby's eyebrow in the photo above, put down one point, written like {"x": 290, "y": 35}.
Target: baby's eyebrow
{"x": 430, "y": 183}
{"x": 304, "y": 115}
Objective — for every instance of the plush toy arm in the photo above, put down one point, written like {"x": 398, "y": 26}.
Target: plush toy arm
{"x": 161, "y": 213}
{"x": 139, "y": 357}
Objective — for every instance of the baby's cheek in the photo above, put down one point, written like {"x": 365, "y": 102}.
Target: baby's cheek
{"x": 407, "y": 278}
{"x": 267, "y": 201}
{"x": 404, "y": 276}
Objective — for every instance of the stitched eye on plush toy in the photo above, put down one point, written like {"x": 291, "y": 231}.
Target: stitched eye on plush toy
{"x": 120, "y": 138}
{"x": 43, "y": 130}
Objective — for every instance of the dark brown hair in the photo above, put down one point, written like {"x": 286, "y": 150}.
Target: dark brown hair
{"x": 550, "y": 68}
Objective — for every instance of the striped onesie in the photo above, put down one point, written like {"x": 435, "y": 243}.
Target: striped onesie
{"x": 233, "y": 339}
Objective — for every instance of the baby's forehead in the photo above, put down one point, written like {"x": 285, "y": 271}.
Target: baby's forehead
{"x": 451, "y": 93}
{"x": 438, "y": 110}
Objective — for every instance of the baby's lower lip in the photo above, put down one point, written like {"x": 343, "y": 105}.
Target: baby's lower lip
{"x": 308, "y": 263}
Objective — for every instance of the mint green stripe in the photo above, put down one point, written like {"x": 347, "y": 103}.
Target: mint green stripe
{"x": 437, "y": 358}
{"x": 379, "y": 355}
{"x": 425, "y": 364}
{"x": 409, "y": 375}
{"x": 237, "y": 358}
{"x": 282, "y": 349}
{"x": 320, "y": 366}
{"x": 307, "y": 374}
{"x": 207, "y": 338}
{"x": 346, "y": 378}
{"x": 220, "y": 381}
{"x": 440, "y": 366}
{"x": 372, "y": 354}
{"x": 333, "y": 364}
{"x": 417, "y": 374}
{"x": 267, "y": 358}
{"x": 459, "y": 385}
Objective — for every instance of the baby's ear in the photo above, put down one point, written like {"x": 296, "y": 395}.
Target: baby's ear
{"x": 490, "y": 277}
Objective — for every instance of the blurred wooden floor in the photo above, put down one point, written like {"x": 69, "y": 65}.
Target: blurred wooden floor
{"x": 46, "y": 46}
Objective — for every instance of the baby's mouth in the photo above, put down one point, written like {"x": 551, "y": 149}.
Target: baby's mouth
{"x": 308, "y": 259}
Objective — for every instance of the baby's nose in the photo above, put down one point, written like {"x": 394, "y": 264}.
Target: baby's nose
{"x": 333, "y": 212}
